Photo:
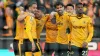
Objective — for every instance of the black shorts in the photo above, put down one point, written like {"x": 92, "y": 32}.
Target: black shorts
{"x": 15, "y": 46}
{"x": 50, "y": 48}
{"x": 27, "y": 46}
{"x": 77, "y": 51}
{"x": 83, "y": 51}
{"x": 62, "y": 49}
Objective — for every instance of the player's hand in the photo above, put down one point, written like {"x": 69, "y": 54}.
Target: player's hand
{"x": 84, "y": 45}
{"x": 52, "y": 14}
{"x": 31, "y": 14}
{"x": 5, "y": 27}
{"x": 33, "y": 47}
{"x": 53, "y": 20}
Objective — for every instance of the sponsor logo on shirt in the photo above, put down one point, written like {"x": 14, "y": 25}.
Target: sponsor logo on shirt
{"x": 78, "y": 27}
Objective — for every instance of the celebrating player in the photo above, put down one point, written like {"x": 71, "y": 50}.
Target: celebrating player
{"x": 62, "y": 24}
{"x": 81, "y": 31}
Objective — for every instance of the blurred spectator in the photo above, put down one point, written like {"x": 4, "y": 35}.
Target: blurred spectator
{"x": 75, "y": 1}
{"x": 91, "y": 8}
{"x": 25, "y": 4}
{"x": 8, "y": 2}
{"x": 9, "y": 21}
{"x": 1, "y": 21}
{"x": 88, "y": 7}
{"x": 96, "y": 6}
{"x": 97, "y": 27}
{"x": 65, "y": 2}
{"x": 49, "y": 6}
{"x": 1, "y": 4}
{"x": 19, "y": 2}
{"x": 14, "y": 1}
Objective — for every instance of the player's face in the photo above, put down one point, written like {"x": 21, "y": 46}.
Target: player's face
{"x": 34, "y": 8}
{"x": 38, "y": 14}
{"x": 79, "y": 9}
{"x": 70, "y": 9}
{"x": 60, "y": 9}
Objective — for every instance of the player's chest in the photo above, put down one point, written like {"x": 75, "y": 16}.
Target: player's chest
{"x": 78, "y": 22}
{"x": 39, "y": 23}
{"x": 61, "y": 20}
{"x": 50, "y": 24}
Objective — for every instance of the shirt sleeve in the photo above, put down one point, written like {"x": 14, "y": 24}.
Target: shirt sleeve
{"x": 90, "y": 30}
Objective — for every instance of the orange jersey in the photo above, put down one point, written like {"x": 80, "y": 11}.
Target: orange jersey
{"x": 62, "y": 25}
{"x": 81, "y": 30}
{"x": 51, "y": 32}
{"x": 9, "y": 21}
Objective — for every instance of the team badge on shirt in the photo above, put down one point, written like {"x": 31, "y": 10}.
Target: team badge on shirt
{"x": 84, "y": 22}
{"x": 73, "y": 21}
{"x": 31, "y": 19}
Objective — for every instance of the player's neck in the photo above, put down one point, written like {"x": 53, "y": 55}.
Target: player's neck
{"x": 60, "y": 14}
{"x": 79, "y": 16}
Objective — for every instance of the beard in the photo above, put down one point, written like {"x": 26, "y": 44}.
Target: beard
{"x": 60, "y": 12}
{"x": 79, "y": 12}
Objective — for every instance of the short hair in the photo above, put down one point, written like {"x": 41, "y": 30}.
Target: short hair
{"x": 12, "y": 6}
{"x": 69, "y": 5}
{"x": 78, "y": 4}
{"x": 58, "y": 3}
{"x": 31, "y": 3}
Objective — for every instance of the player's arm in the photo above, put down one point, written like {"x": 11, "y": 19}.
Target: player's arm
{"x": 21, "y": 17}
{"x": 90, "y": 30}
{"x": 90, "y": 33}
{"x": 52, "y": 14}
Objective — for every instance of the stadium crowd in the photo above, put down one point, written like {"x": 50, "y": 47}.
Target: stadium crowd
{"x": 9, "y": 12}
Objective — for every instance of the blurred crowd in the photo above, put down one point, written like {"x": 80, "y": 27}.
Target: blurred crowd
{"x": 9, "y": 10}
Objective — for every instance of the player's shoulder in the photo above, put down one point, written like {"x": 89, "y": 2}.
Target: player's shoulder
{"x": 29, "y": 18}
{"x": 25, "y": 13}
{"x": 86, "y": 17}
